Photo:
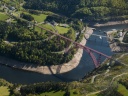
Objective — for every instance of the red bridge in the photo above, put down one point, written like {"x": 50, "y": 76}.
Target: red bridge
{"x": 87, "y": 49}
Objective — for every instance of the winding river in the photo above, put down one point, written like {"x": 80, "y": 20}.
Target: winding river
{"x": 86, "y": 65}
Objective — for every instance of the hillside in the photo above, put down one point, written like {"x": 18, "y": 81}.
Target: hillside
{"x": 110, "y": 79}
{"x": 88, "y": 10}
{"x": 22, "y": 39}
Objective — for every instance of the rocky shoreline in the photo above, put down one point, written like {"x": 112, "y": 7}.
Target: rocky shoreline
{"x": 111, "y": 23}
{"x": 48, "y": 69}
{"x": 114, "y": 45}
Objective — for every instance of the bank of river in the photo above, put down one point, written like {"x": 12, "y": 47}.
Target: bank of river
{"x": 49, "y": 69}
{"x": 85, "y": 65}
{"x": 111, "y": 23}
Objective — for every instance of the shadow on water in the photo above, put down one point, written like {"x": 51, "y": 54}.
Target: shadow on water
{"x": 19, "y": 76}
{"x": 86, "y": 65}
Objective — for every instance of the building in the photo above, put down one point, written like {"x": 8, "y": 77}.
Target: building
{"x": 120, "y": 34}
{"x": 64, "y": 25}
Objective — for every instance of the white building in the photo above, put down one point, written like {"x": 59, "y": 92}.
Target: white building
{"x": 120, "y": 34}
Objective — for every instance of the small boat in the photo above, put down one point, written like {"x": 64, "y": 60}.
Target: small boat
{"x": 100, "y": 37}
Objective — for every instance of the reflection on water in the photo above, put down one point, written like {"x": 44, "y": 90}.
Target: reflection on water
{"x": 85, "y": 66}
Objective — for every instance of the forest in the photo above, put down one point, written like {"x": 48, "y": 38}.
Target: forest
{"x": 88, "y": 10}
{"x": 19, "y": 42}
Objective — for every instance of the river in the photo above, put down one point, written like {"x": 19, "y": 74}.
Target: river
{"x": 86, "y": 65}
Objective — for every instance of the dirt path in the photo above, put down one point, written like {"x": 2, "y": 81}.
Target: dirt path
{"x": 113, "y": 79}
{"x": 92, "y": 93}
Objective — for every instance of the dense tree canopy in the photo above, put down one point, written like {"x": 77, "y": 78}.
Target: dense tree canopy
{"x": 89, "y": 10}
{"x": 19, "y": 42}
{"x": 43, "y": 87}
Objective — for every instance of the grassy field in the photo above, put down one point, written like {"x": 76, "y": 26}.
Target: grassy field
{"x": 47, "y": 26}
{"x": 3, "y": 16}
{"x": 94, "y": 95}
{"x": 122, "y": 89}
{"x": 39, "y": 18}
{"x": 6, "y": 1}
{"x": 75, "y": 92}
{"x": 52, "y": 93}
{"x": 4, "y": 91}
{"x": 62, "y": 30}
{"x": 58, "y": 93}
{"x": 37, "y": 29}
{"x": 44, "y": 26}
{"x": 124, "y": 60}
